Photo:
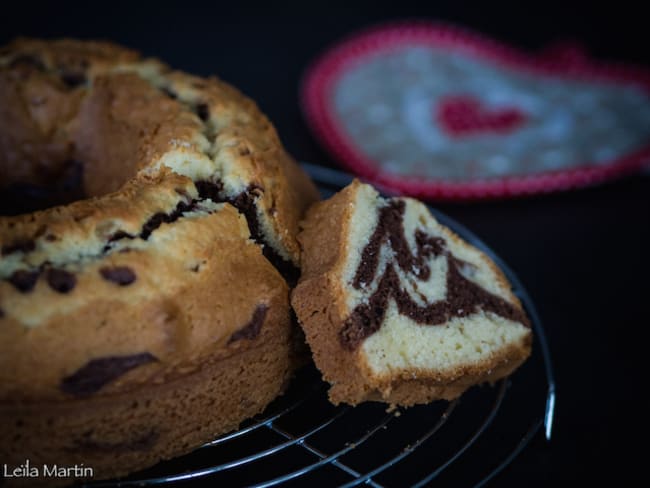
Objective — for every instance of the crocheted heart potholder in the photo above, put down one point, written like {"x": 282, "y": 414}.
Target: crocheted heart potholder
{"x": 441, "y": 113}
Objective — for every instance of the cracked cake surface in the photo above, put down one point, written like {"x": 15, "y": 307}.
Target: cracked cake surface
{"x": 148, "y": 224}
{"x": 397, "y": 308}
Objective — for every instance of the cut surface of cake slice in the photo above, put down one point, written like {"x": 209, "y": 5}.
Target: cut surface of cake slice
{"x": 397, "y": 308}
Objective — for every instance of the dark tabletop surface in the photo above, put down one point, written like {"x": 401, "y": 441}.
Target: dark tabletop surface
{"x": 583, "y": 255}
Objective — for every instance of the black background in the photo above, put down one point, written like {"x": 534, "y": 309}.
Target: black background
{"x": 583, "y": 255}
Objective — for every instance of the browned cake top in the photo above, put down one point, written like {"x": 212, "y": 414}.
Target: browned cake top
{"x": 140, "y": 209}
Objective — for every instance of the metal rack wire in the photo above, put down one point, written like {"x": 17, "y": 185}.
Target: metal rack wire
{"x": 302, "y": 440}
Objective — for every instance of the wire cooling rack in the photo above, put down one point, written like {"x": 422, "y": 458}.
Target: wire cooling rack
{"x": 302, "y": 440}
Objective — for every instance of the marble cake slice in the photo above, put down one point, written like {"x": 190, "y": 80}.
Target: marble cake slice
{"x": 399, "y": 309}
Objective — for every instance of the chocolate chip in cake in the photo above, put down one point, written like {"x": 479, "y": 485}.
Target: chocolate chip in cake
{"x": 60, "y": 280}
{"x": 252, "y": 329}
{"x": 98, "y": 372}
{"x": 2, "y": 313}
{"x": 203, "y": 111}
{"x": 20, "y": 245}
{"x": 24, "y": 280}
{"x": 122, "y": 275}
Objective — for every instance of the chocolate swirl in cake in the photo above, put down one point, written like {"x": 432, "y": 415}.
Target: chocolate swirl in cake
{"x": 245, "y": 203}
{"x": 252, "y": 329}
{"x": 98, "y": 372}
{"x": 464, "y": 297}
{"x": 23, "y": 280}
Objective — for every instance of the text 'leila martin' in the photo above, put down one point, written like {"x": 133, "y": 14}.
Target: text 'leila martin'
{"x": 27, "y": 470}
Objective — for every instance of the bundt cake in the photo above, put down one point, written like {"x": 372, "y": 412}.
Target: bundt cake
{"x": 397, "y": 308}
{"x": 148, "y": 233}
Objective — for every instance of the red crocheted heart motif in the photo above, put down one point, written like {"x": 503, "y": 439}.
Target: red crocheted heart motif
{"x": 465, "y": 115}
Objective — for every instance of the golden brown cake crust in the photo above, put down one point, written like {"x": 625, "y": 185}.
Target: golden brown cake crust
{"x": 319, "y": 299}
{"x": 119, "y": 434}
{"x": 182, "y": 308}
{"x": 156, "y": 287}
{"x": 122, "y": 116}
{"x": 320, "y": 304}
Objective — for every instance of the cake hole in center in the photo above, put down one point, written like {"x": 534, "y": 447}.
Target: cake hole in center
{"x": 59, "y": 188}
